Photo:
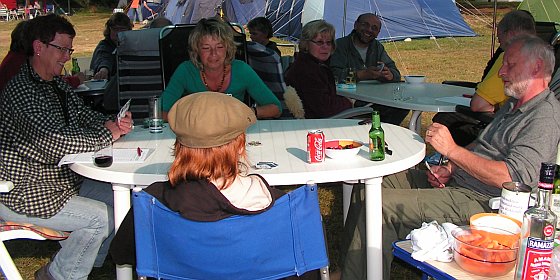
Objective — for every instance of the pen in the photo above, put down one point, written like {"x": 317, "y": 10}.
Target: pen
{"x": 139, "y": 151}
{"x": 437, "y": 179}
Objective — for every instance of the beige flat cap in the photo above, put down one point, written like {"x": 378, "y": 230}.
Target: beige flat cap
{"x": 209, "y": 119}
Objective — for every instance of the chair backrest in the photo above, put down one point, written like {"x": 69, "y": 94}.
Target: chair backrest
{"x": 173, "y": 45}
{"x": 283, "y": 241}
{"x": 138, "y": 69}
{"x": 267, "y": 65}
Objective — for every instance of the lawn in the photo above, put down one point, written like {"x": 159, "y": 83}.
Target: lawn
{"x": 441, "y": 59}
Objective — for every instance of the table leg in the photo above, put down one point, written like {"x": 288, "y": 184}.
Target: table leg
{"x": 121, "y": 195}
{"x": 346, "y": 197}
{"x": 373, "y": 228}
{"x": 415, "y": 123}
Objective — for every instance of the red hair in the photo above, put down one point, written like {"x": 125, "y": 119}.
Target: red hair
{"x": 222, "y": 162}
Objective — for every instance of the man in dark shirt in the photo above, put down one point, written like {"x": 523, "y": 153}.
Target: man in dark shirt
{"x": 360, "y": 50}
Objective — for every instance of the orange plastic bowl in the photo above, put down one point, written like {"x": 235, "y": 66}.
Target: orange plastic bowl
{"x": 480, "y": 254}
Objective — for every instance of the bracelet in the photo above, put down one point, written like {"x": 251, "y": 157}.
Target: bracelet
{"x": 254, "y": 107}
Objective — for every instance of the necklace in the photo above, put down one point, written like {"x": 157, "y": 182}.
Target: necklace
{"x": 219, "y": 89}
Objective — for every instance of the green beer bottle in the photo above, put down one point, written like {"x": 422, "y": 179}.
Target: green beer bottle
{"x": 75, "y": 66}
{"x": 376, "y": 138}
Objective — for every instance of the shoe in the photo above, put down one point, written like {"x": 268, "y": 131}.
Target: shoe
{"x": 43, "y": 273}
{"x": 435, "y": 159}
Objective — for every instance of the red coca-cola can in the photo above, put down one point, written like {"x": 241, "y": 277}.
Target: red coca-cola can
{"x": 315, "y": 146}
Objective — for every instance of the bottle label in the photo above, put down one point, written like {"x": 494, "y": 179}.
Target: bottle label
{"x": 538, "y": 258}
{"x": 555, "y": 207}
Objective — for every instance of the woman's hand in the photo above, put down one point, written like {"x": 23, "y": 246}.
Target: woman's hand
{"x": 102, "y": 74}
{"x": 119, "y": 128}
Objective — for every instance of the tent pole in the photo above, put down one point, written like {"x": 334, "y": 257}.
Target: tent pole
{"x": 344, "y": 19}
{"x": 494, "y": 28}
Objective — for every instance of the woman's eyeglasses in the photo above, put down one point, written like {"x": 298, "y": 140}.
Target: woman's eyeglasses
{"x": 322, "y": 43}
{"x": 62, "y": 49}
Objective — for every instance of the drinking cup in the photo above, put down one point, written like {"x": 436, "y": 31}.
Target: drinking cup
{"x": 103, "y": 155}
{"x": 155, "y": 119}
{"x": 347, "y": 78}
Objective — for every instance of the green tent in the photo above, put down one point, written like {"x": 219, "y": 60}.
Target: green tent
{"x": 542, "y": 10}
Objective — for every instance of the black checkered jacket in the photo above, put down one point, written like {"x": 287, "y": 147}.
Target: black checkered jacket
{"x": 36, "y": 132}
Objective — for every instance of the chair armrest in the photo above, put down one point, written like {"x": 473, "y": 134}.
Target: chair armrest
{"x": 6, "y": 186}
{"x": 352, "y": 113}
{"x": 460, "y": 83}
{"x": 484, "y": 117}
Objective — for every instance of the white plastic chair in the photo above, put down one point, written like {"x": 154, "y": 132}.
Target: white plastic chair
{"x": 9, "y": 231}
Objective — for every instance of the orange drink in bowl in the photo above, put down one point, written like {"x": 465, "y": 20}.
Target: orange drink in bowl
{"x": 511, "y": 226}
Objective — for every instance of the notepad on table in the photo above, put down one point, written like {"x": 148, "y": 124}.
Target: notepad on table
{"x": 119, "y": 156}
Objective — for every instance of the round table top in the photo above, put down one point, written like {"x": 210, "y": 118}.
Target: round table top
{"x": 281, "y": 141}
{"x": 426, "y": 97}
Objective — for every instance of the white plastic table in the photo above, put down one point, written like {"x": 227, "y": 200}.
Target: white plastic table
{"x": 283, "y": 142}
{"x": 425, "y": 97}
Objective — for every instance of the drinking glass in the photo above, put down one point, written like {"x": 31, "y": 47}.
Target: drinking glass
{"x": 103, "y": 155}
{"x": 155, "y": 119}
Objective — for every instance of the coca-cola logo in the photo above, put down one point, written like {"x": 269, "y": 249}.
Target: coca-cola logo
{"x": 318, "y": 144}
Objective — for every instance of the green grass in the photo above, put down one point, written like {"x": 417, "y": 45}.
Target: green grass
{"x": 441, "y": 59}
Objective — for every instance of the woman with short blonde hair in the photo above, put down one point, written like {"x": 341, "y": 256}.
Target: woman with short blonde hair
{"x": 213, "y": 67}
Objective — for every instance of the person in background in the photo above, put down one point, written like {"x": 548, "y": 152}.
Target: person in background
{"x": 260, "y": 30}
{"x": 524, "y": 133}
{"x": 360, "y": 50}
{"x": 104, "y": 61}
{"x": 489, "y": 93}
{"x": 16, "y": 55}
{"x": 136, "y": 10}
{"x": 311, "y": 76}
{"x": 160, "y": 22}
{"x": 212, "y": 67}
{"x": 44, "y": 120}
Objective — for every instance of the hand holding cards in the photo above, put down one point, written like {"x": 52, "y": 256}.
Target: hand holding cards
{"x": 124, "y": 109}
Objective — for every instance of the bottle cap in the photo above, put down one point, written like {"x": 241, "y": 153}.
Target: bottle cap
{"x": 547, "y": 172}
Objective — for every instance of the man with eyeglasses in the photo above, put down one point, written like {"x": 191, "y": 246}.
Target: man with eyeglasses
{"x": 360, "y": 50}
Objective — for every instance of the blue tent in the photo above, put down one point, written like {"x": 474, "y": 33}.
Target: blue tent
{"x": 401, "y": 19}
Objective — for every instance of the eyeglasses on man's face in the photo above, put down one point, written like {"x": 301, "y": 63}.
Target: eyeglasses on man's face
{"x": 61, "y": 49}
{"x": 322, "y": 43}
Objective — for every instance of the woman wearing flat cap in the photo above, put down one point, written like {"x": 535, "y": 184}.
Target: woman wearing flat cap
{"x": 206, "y": 179}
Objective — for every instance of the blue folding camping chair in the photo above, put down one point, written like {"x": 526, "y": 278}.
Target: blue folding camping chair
{"x": 283, "y": 241}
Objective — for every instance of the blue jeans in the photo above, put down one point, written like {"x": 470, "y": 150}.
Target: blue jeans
{"x": 89, "y": 218}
